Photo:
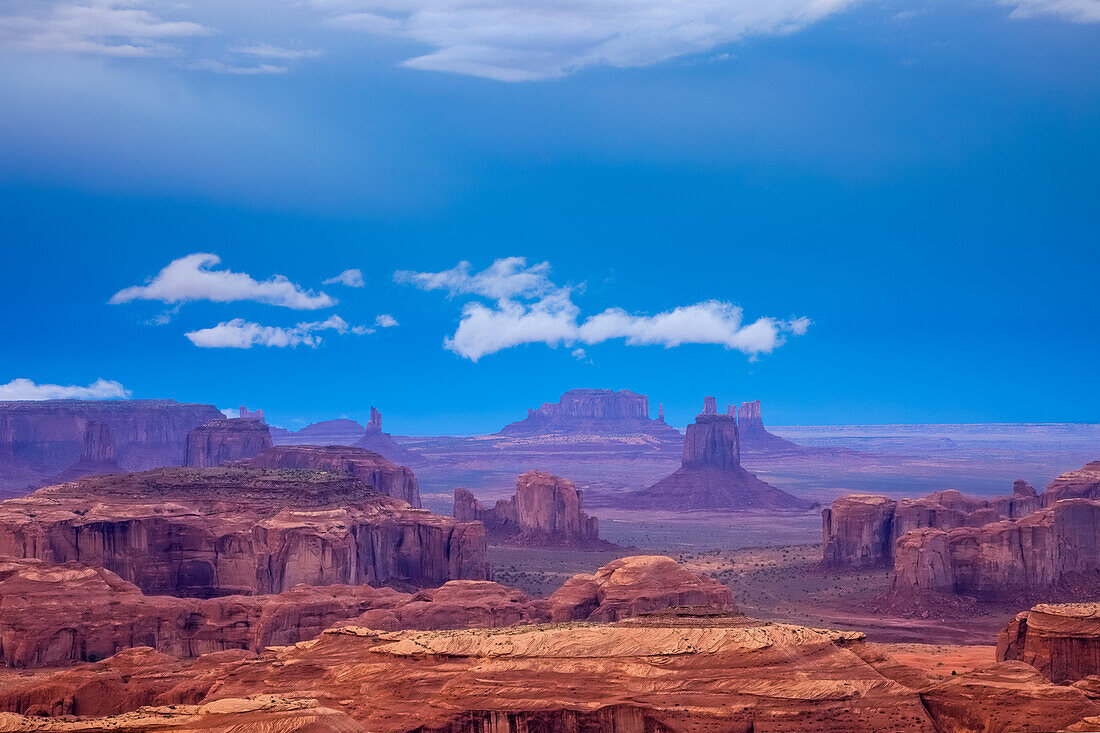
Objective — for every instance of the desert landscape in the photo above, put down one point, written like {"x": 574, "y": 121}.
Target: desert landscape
{"x": 257, "y": 581}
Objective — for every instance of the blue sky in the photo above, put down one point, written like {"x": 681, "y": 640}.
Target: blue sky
{"x": 917, "y": 180}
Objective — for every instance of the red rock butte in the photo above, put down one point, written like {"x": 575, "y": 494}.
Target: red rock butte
{"x": 544, "y": 512}
{"x": 211, "y": 532}
{"x": 710, "y": 475}
{"x": 226, "y": 439}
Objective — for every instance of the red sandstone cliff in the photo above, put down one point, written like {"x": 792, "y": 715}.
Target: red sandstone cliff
{"x": 369, "y": 467}
{"x": 209, "y": 532}
{"x": 1061, "y": 640}
{"x": 222, "y": 440}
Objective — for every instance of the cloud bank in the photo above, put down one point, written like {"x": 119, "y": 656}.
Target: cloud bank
{"x": 241, "y": 334}
{"x": 26, "y": 389}
{"x": 190, "y": 278}
{"x": 529, "y": 308}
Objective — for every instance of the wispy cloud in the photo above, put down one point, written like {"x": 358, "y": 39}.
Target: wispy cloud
{"x": 279, "y": 53}
{"x": 241, "y": 334}
{"x": 1077, "y": 11}
{"x": 385, "y": 321}
{"x": 221, "y": 67}
{"x": 352, "y": 278}
{"x": 191, "y": 278}
{"x": 529, "y": 308}
{"x": 101, "y": 27}
{"x": 26, "y": 389}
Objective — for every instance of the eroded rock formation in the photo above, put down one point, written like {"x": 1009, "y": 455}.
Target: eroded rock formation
{"x": 710, "y": 475}
{"x": 383, "y": 443}
{"x": 43, "y": 438}
{"x": 98, "y": 456}
{"x": 210, "y": 532}
{"x": 596, "y": 412}
{"x": 1062, "y": 640}
{"x": 861, "y": 531}
{"x": 61, "y": 614}
{"x": 369, "y": 467}
{"x": 633, "y": 586}
{"x": 226, "y": 439}
{"x": 244, "y": 412}
{"x": 544, "y": 512}
{"x": 754, "y": 437}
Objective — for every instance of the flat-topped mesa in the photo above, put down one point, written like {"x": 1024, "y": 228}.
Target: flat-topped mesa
{"x": 244, "y": 412}
{"x": 383, "y": 443}
{"x": 597, "y": 412}
{"x": 236, "y": 529}
{"x": 374, "y": 470}
{"x": 44, "y": 438}
{"x": 544, "y": 512}
{"x": 227, "y": 439}
{"x": 710, "y": 475}
{"x": 341, "y": 431}
{"x": 1060, "y": 640}
{"x": 861, "y": 531}
{"x": 1084, "y": 483}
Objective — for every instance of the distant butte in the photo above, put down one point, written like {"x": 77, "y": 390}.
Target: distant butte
{"x": 593, "y": 412}
{"x": 341, "y": 431}
{"x": 226, "y": 439}
{"x": 710, "y": 475}
{"x": 544, "y": 512}
{"x": 383, "y": 443}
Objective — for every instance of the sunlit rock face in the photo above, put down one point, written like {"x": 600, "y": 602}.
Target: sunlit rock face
{"x": 210, "y": 532}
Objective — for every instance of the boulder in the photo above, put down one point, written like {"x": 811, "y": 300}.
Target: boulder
{"x": 226, "y": 439}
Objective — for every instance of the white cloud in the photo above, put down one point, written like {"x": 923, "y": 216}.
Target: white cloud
{"x": 385, "y": 321}
{"x": 103, "y": 27}
{"x": 539, "y": 39}
{"x": 1077, "y": 11}
{"x": 280, "y": 53}
{"x": 579, "y": 354}
{"x": 220, "y": 67}
{"x": 190, "y": 278}
{"x": 241, "y": 334}
{"x": 506, "y": 278}
{"x": 352, "y": 278}
{"x": 231, "y": 413}
{"x": 537, "y": 311}
{"x": 25, "y": 389}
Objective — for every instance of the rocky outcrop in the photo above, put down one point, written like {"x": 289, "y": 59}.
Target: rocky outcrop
{"x": 227, "y": 439}
{"x": 247, "y": 414}
{"x": 341, "y": 431}
{"x": 544, "y": 512}
{"x": 62, "y": 614}
{"x": 372, "y": 469}
{"x": 1058, "y": 546}
{"x": 43, "y": 438}
{"x": 383, "y": 443}
{"x": 1084, "y": 483}
{"x": 710, "y": 475}
{"x": 1062, "y": 641}
{"x": 754, "y": 437}
{"x": 633, "y": 586}
{"x": 861, "y": 531}
{"x": 593, "y": 412}
{"x": 211, "y": 532}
